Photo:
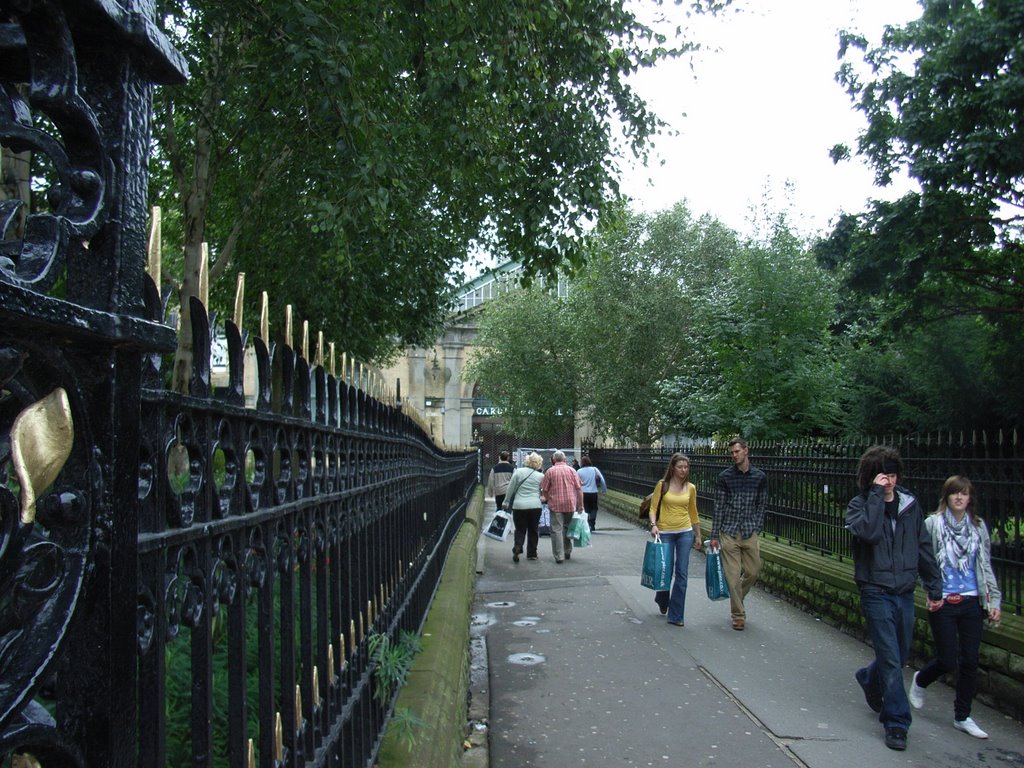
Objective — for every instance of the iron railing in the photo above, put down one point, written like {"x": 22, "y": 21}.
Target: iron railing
{"x": 811, "y": 482}
{"x": 183, "y": 580}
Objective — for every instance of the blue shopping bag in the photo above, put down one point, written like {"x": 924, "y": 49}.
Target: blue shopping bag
{"x": 657, "y": 572}
{"x": 714, "y": 576}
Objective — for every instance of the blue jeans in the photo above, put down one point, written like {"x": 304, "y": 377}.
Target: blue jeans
{"x": 682, "y": 543}
{"x": 957, "y": 632}
{"x": 891, "y": 626}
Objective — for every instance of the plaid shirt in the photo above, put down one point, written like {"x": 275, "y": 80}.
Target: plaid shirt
{"x": 741, "y": 500}
{"x": 562, "y": 488}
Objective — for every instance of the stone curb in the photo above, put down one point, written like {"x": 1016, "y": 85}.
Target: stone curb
{"x": 438, "y": 682}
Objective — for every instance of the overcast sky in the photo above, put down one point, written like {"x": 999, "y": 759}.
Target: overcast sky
{"x": 762, "y": 109}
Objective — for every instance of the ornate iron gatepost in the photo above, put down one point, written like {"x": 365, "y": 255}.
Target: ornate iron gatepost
{"x": 77, "y": 79}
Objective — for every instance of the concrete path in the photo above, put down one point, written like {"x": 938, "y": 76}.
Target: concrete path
{"x": 582, "y": 670}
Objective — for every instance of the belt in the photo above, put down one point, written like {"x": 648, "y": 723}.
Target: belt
{"x": 956, "y": 597}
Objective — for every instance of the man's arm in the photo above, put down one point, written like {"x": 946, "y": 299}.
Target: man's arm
{"x": 927, "y": 566}
{"x": 864, "y": 516}
{"x": 721, "y": 494}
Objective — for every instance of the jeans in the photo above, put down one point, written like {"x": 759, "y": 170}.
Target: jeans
{"x": 891, "y": 626}
{"x": 682, "y": 543}
{"x": 527, "y": 523}
{"x": 957, "y": 633}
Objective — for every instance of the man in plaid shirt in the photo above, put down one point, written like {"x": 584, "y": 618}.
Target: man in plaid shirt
{"x": 563, "y": 491}
{"x": 741, "y": 499}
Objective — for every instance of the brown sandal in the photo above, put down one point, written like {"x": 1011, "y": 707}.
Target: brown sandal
{"x": 739, "y": 624}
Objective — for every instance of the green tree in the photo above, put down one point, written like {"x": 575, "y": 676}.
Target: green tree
{"x": 943, "y": 101}
{"x": 633, "y": 312}
{"x": 525, "y": 362}
{"x": 762, "y": 361}
{"x": 932, "y": 292}
{"x": 352, "y": 154}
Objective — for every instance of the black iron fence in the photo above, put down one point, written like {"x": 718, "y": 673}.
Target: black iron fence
{"x": 183, "y": 580}
{"x": 811, "y": 482}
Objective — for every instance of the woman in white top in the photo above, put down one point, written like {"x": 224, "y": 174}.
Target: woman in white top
{"x": 970, "y": 594}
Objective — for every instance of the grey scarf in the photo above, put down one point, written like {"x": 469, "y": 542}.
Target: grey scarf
{"x": 958, "y": 542}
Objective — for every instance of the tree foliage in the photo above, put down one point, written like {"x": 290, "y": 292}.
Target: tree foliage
{"x": 351, "y": 154}
{"x": 762, "y": 361}
{"x": 944, "y": 102}
{"x": 676, "y": 326}
{"x": 525, "y": 362}
{"x": 932, "y": 291}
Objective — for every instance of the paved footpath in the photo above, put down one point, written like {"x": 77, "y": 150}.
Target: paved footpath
{"x": 582, "y": 670}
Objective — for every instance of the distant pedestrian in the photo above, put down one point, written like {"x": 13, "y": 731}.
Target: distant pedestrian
{"x": 741, "y": 500}
{"x": 498, "y": 479}
{"x": 891, "y": 547}
{"x": 963, "y": 551}
{"x": 563, "y": 492}
{"x": 593, "y": 484}
{"x": 673, "y": 516}
{"x": 523, "y": 498}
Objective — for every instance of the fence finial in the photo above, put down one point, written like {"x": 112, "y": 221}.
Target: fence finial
{"x": 265, "y": 319}
{"x": 288, "y": 326}
{"x": 305, "y": 340}
{"x": 204, "y": 276}
{"x": 331, "y": 357}
{"x": 320, "y": 348}
{"x": 154, "y": 248}
{"x": 239, "y": 300}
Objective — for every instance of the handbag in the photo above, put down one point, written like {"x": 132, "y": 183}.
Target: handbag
{"x": 658, "y": 562}
{"x": 714, "y": 576}
{"x": 500, "y": 525}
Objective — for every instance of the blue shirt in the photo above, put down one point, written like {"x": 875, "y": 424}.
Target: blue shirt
{"x": 591, "y": 478}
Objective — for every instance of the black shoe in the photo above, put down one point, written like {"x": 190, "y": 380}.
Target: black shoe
{"x": 516, "y": 551}
{"x": 873, "y": 699}
{"x": 896, "y": 738}
{"x": 568, "y": 555}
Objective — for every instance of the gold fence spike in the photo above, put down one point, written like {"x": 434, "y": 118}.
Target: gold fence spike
{"x": 265, "y": 319}
{"x": 288, "y": 325}
{"x": 239, "y": 300}
{"x": 154, "y": 248}
{"x": 369, "y": 613}
{"x": 252, "y": 755}
{"x": 320, "y": 348}
{"x": 362, "y": 627}
{"x": 330, "y": 662}
{"x": 305, "y": 340}
{"x": 352, "y": 636}
{"x": 298, "y": 708}
{"x": 278, "y": 738}
{"x": 204, "y": 276}
{"x": 331, "y": 348}
{"x": 341, "y": 650}
{"x": 316, "y": 686}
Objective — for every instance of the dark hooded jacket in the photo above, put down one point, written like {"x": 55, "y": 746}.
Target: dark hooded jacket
{"x": 887, "y": 555}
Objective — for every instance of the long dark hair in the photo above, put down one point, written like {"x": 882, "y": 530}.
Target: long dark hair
{"x": 876, "y": 460}
{"x": 676, "y": 458}
{"x": 956, "y": 484}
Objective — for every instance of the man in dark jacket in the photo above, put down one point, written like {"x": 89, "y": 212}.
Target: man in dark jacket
{"x": 498, "y": 479}
{"x": 891, "y": 547}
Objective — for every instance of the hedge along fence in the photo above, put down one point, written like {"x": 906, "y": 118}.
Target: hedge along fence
{"x": 823, "y": 585}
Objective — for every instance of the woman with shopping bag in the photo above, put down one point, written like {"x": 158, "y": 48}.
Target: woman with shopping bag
{"x": 523, "y": 499}
{"x": 674, "y": 520}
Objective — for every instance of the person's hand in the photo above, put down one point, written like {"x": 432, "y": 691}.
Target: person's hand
{"x": 934, "y": 605}
{"x": 654, "y": 529}
{"x": 713, "y": 544}
{"x": 994, "y": 614}
{"x": 697, "y": 544}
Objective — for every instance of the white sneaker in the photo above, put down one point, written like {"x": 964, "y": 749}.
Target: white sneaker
{"x": 915, "y": 693}
{"x": 971, "y": 727}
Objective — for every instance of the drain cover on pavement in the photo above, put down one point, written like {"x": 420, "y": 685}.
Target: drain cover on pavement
{"x": 526, "y": 659}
